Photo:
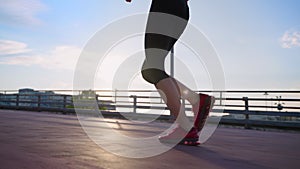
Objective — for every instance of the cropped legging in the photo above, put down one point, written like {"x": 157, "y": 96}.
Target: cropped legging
{"x": 162, "y": 32}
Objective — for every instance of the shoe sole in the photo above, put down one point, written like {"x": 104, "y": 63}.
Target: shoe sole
{"x": 190, "y": 141}
{"x": 184, "y": 141}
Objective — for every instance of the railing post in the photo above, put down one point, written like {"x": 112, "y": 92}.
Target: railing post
{"x": 97, "y": 102}
{"x": 115, "y": 96}
{"x": 246, "y": 100}
{"x": 134, "y": 103}
{"x": 183, "y": 104}
{"x": 39, "y": 103}
{"x": 221, "y": 98}
{"x": 65, "y": 104}
{"x": 17, "y": 100}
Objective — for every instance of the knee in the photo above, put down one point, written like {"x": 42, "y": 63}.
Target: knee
{"x": 153, "y": 76}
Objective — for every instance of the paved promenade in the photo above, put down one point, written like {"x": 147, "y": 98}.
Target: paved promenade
{"x": 34, "y": 140}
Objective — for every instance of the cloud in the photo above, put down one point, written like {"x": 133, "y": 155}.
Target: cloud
{"x": 8, "y": 47}
{"x": 20, "y": 11}
{"x": 290, "y": 39}
{"x": 60, "y": 58}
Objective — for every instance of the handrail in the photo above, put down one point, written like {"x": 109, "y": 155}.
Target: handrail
{"x": 252, "y": 104}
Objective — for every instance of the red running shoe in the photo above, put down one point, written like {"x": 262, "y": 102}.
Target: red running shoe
{"x": 205, "y": 106}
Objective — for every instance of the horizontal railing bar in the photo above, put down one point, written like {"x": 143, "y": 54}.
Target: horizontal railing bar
{"x": 138, "y": 90}
{"x": 126, "y": 102}
{"x": 273, "y": 99}
{"x": 143, "y": 107}
{"x": 261, "y": 123}
{"x": 36, "y": 102}
{"x": 124, "y": 96}
{"x": 92, "y": 100}
{"x": 262, "y": 99}
{"x": 251, "y": 91}
{"x": 270, "y": 113}
{"x": 274, "y": 107}
{"x": 260, "y": 106}
{"x": 37, "y": 95}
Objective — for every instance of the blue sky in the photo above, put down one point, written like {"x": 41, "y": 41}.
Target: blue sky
{"x": 258, "y": 41}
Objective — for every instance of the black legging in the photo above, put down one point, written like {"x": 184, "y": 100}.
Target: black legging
{"x": 157, "y": 46}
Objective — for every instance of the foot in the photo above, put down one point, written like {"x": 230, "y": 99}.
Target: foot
{"x": 205, "y": 105}
{"x": 180, "y": 136}
{"x": 191, "y": 139}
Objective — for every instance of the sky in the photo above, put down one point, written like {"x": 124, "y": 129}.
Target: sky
{"x": 257, "y": 41}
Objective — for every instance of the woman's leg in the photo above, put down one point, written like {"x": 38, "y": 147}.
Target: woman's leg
{"x": 172, "y": 91}
{"x": 158, "y": 45}
{"x": 168, "y": 90}
{"x": 187, "y": 94}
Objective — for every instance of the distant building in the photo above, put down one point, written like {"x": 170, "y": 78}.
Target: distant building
{"x": 29, "y": 98}
{"x": 26, "y": 91}
{"x": 48, "y": 99}
{"x": 7, "y": 99}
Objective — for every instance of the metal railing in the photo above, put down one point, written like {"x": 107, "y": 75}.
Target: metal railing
{"x": 279, "y": 109}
